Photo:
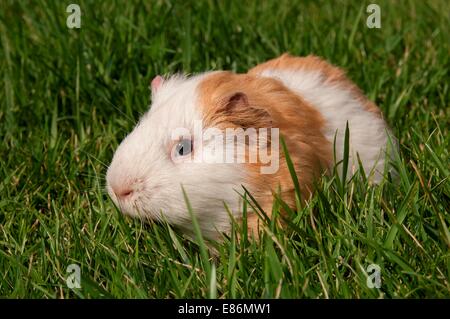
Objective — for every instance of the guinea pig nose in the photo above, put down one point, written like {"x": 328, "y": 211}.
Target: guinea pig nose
{"x": 123, "y": 191}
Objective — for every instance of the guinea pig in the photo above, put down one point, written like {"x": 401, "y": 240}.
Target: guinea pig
{"x": 182, "y": 143}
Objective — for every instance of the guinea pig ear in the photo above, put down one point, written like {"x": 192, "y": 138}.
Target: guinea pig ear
{"x": 237, "y": 110}
{"x": 156, "y": 83}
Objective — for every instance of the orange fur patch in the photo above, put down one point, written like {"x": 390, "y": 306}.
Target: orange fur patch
{"x": 299, "y": 124}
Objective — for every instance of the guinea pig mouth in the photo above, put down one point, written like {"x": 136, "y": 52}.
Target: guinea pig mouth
{"x": 133, "y": 204}
{"x": 124, "y": 204}
{"x": 127, "y": 206}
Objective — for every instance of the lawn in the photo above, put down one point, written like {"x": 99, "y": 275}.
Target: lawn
{"x": 68, "y": 97}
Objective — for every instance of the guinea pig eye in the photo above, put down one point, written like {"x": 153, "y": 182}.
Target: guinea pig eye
{"x": 183, "y": 148}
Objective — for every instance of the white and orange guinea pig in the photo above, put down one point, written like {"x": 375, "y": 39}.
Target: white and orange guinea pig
{"x": 215, "y": 132}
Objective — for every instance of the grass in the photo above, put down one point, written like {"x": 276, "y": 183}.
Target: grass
{"x": 68, "y": 97}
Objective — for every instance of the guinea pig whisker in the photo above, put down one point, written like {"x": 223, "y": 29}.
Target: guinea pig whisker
{"x": 94, "y": 189}
{"x": 92, "y": 156}
{"x": 100, "y": 176}
{"x": 92, "y": 193}
{"x": 132, "y": 121}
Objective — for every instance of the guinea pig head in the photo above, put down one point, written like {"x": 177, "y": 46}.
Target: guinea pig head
{"x": 209, "y": 135}
{"x": 175, "y": 146}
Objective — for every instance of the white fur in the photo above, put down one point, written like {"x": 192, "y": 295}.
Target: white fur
{"x": 368, "y": 133}
{"x": 144, "y": 158}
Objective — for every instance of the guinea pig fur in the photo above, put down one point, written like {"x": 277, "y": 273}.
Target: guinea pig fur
{"x": 308, "y": 100}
